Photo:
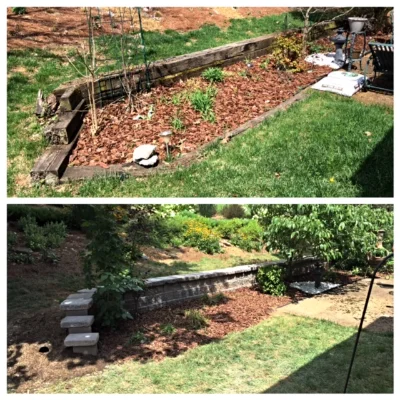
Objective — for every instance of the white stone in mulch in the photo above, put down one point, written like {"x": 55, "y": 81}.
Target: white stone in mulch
{"x": 143, "y": 152}
{"x": 150, "y": 162}
{"x": 309, "y": 287}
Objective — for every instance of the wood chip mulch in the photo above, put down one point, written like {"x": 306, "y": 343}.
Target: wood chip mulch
{"x": 244, "y": 94}
{"x": 241, "y": 309}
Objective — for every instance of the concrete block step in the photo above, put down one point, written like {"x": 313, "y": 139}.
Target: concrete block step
{"x": 81, "y": 339}
{"x": 77, "y": 321}
{"x": 76, "y": 304}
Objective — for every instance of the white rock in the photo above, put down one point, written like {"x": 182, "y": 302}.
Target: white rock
{"x": 143, "y": 152}
{"x": 150, "y": 162}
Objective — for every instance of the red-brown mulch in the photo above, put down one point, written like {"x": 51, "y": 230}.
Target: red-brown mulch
{"x": 241, "y": 309}
{"x": 239, "y": 99}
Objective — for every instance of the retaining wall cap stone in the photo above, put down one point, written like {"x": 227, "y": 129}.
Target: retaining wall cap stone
{"x": 207, "y": 274}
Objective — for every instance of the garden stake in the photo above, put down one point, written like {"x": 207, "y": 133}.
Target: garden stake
{"x": 383, "y": 262}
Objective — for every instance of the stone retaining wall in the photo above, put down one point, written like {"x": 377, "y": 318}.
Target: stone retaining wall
{"x": 175, "y": 289}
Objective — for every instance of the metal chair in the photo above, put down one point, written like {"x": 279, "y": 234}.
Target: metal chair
{"x": 382, "y": 60}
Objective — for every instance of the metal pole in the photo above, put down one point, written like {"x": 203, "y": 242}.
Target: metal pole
{"x": 383, "y": 262}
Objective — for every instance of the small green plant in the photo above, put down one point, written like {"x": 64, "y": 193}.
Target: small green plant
{"x": 177, "y": 124}
{"x": 138, "y": 338}
{"x": 167, "y": 329}
{"x": 176, "y": 99}
{"x": 196, "y": 319}
{"x": 213, "y": 74}
{"x": 380, "y": 252}
{"x": 270, "y": 280}
{"x": 214, "y": 299}
{"x": 265, "y": 63}
{"x": 11, "y": 238}
{"x": 20, "y": 258}
{"x": 203, "y": 102}
{"x": 19, "y": 10}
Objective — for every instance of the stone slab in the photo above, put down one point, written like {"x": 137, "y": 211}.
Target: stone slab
{"x": 81, "y": 339}
{"x": 77, "y": 321}
{"x": 76, "y": 304}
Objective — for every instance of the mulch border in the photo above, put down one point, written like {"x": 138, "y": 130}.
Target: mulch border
{"x": 76, "y": 173}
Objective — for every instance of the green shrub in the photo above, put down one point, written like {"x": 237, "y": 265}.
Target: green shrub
{"x": 203, "y": 102}
{"x": 207, "y": 210}
{"x": 19, "y": 10}
{"x": 228, "y": 227}
{"x": 213, "y": 74}
{"x": 196, "y": 319}
{"x": 11, "y": 238}
{"x": 198, "y": 235}
{"x": 249, "y": 237}
{"x": 41, "y": 238}
{"x": 42, "y": 214}
{"x": 287, "y": 52}
{"x": 270, "y": 280}
{"x": 214, "y": 299}
{"x": 233, "y": 211}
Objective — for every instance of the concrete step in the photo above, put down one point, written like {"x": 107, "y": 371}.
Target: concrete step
{"x": 76, "y": 304}
{"x": 81, "y": 339}
{"x": 83, "y": 321}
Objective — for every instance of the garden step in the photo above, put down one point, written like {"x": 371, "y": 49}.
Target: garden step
{"x": 77, "y": 321}
{"x": 81, "y": 339}
{"x": 76, "y": 304}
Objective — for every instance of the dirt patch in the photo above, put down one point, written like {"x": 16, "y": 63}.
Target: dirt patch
{"x": 190, "y": 254}
{"x": 345, "y": 304}
{"x": 28, "y": 368}
{"x": 52, "y": 27}
{"x": 372, "y": 97}
{"x": 244, "y": 94}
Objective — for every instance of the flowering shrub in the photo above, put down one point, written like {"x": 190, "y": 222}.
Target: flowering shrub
{"x": 287, "y": 53}
{"x": 198, "y": 235}
{"x": 249, "y": 237}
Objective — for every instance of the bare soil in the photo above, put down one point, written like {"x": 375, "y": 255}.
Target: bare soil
{"x": 344, "y": 305}
{"x": 244, "y": 94}
{"x": 63, "y": 27}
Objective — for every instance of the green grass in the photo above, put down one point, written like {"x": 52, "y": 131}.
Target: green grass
{"x": 206, "y": 263}
{"x": 318, "y": 147}
{"x": 280, "y": 355}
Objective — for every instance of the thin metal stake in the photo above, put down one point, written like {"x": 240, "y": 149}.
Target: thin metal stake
{"x": 383, "y": 262}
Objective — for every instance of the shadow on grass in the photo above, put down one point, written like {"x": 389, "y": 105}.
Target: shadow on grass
{"x": 375, "y": 176}
{"x": 372, "y": 370}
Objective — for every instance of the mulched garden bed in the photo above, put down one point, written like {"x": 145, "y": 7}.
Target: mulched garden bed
{"x": 244, "y": 94}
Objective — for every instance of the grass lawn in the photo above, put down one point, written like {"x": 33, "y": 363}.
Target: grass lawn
{"x": 285, "y": 354}
{"x": 324, "y": 146}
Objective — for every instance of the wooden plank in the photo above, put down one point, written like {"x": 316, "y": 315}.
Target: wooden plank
{"x": 53, "y": 161}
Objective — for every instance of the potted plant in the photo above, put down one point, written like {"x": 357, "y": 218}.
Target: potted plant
{"x": 377, "y": 256}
